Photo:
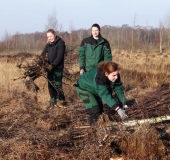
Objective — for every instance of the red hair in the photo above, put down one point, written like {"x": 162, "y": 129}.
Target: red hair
{"x": 108, "y": 67}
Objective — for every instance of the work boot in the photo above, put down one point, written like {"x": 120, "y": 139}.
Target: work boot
{"x": 61, "y": 104}
{"x": 51, "y": 105}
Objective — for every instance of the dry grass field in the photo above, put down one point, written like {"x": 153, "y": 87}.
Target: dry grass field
{"x": 30, "y": 132}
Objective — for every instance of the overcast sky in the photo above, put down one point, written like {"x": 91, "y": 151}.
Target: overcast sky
{"x": 29, "y": 16}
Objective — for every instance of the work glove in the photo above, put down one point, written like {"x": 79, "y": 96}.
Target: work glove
{"x": 125, "y": 106}
{"x": 121, "y": 113}
{"x": 81, "y": 71}
{"x": 49, "y": 67}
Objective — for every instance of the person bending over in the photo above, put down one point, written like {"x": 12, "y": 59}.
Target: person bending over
{"x": 97, "y": 85}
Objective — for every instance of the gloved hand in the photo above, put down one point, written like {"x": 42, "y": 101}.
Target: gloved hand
{"x": 121, "y": 113}
{"x": 81, "y": 71}
{"x": 49, "y": 67}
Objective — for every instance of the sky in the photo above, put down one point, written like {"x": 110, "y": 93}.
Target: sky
{"x": 29, "y": 16}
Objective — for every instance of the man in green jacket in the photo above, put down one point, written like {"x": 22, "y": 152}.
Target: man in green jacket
{"x": 96, "y": 86}
{"x": 93, "y": 50}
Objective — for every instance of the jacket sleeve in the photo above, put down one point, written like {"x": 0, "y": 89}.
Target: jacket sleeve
{"x": 81, "y": 54}
{"x": 118, "y": 89}
{"x": 45, "y": 51}
{"x": 60, "y": 55}
{"x": 105, "y": 95}
{"x": 107, "y": 53}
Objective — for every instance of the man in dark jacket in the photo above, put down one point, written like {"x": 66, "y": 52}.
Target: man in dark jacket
{"x": 93, "y": 50}
{"x": 55, "y": 48}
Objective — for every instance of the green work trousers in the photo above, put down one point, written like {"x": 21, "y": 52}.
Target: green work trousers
{"x": 55, "y": 85}
{"x": 92, "y": 103}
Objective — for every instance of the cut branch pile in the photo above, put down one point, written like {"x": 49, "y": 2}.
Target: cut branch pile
{"x": 154, "y": 104}
{"x": 38, "y": 68}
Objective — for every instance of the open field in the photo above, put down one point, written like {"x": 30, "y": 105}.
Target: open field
{"x": 30, "y": 132}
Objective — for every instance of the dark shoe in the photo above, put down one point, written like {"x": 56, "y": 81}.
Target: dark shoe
{"x": 51, "y": 105}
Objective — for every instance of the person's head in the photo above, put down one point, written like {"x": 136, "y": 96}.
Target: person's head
{"x": 95, "y": 31}
{"x": 51, "y": 35}
{"x": 110, "y": 70}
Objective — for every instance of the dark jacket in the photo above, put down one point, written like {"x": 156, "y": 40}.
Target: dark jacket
{"x": 92, "y": 52}
{"x": 98, "y": 84}
{"x": 56, "y": 51}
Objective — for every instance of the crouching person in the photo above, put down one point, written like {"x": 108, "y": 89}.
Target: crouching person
{"x": 96, "y": 86}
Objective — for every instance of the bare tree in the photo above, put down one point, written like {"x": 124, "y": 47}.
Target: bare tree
{"x": 52, "y": 22}
{"x": 167, "y": 25}
{"x": 60, "y": 28}
{"x": 160, "y": 35}
{"x": 138, "y": 33}
{"x": 71, "y": 29}
{"x": 118, "y": 37}
{"x": 132, "y": 35}
{"x": 7, "y": 38}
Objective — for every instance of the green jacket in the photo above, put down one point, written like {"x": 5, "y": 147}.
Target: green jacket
{"x": 98, "y": 84}
{"x": 92, "y": 52}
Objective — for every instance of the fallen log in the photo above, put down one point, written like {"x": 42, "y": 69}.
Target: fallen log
{"x": 144, "y": 121}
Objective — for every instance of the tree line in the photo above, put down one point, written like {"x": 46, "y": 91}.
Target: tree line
{"x": 131, "y": 39}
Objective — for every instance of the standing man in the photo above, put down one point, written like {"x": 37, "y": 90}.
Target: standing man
{"x": 55, "y": 49}
{"x": 93, "y": 50}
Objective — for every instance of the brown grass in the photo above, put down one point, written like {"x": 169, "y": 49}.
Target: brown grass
{"x": 141, "y": 72}
{"x": 29, "y": 132}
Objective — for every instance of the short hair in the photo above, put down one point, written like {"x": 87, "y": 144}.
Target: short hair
{"x": 96, "y": 25}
